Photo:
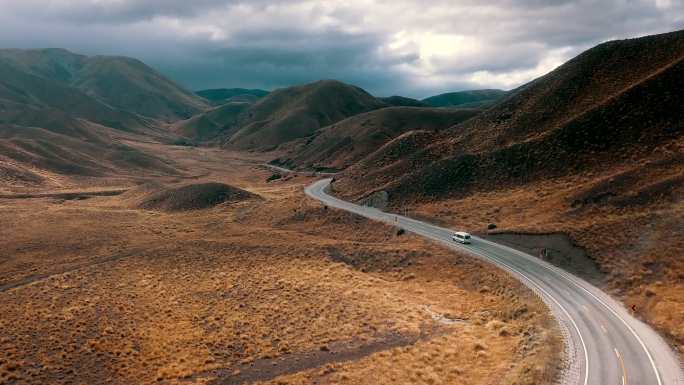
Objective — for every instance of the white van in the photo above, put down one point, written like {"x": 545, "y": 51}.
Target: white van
{"x": 461, "y": 237}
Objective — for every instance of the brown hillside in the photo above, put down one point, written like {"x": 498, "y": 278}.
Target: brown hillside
{"x": 56, "y": 124}
{"x": 402, "y": 101}
{"x": 344, "y": 143}
{"x": 466, "y": 99}
{"x": 606, "y": 106}
{"x": 584, "y": 83}
{"x": 296, "y": 112}
{"x": 118, "y": 83}
{"x": 211, "y": 123}
{"x": 96, "y": 291}
{"x": 593, "y": 150}
{"x": 33, "y": 156}
{"x": 219, "y": 96}
{"x": 131, "y": 85}
{"x": 194, "y": 197}
{"x": 23, "y": 95}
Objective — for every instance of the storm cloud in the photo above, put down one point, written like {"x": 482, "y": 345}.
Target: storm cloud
{"x": 413, "y": 48}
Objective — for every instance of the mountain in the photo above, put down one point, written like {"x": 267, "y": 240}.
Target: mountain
{"x": 131, "y": 85}
{"x": 116, "y": 82}
{"x": 212, "y": 123}
{"x": 401, "y": 101}
{"x": 296, "y": 112}
{"x": 465, "y": 99}
{"x": 59, "y": 118}
{"x": 606, "y": 103}
{"x": 219, "y": 96}
{"x": 592, "y": 152}
{"x": 342, "y": 144}
{"x": 33, "y": 156}
{"x": 25, "y": 95}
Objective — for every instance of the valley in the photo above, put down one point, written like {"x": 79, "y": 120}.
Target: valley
{"x": 592, "y": 151}
{"x": 303, "y": 235}
{"x": 270, "y": 288}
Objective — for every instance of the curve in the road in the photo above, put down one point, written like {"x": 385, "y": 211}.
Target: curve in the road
{"x": 290, "y": 171}
{"x": 605, "y": 344}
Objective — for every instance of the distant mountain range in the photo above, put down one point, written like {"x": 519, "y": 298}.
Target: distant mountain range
{"x": 63, "y": 113}
{"x": 602, "y": 135}
{"x": 608, "y": 103}
{"x": 268, "y": 120}
{"x": 220, "y": 96}
{"x": 281, "y": 116}
{"x": 466, "y": 99}
{"x": 593, "y": 150}
{"x": 67, "y": 113}
{"x": 340, "y": 145}
{"x": 402, "y": 101}
{"x": 115, "y": 82}
{"x": 329, "y": 124}
{"x": 463, "y": 99}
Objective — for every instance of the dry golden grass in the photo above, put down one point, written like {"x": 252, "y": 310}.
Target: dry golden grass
{"x": 110, "y": 294}
{"x": 636, "y": 246}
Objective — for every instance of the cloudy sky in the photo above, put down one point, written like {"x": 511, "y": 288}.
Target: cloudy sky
{"x": 409, "y": 47}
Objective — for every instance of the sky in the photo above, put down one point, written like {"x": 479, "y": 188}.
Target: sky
{"x": 388, "y": 47}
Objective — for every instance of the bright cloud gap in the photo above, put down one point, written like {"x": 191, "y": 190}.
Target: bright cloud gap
{"x": 401, "y": 47}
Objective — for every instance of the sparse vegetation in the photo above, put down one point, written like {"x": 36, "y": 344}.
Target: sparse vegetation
{"x": 340, "y": 145}
{"x": 273, "y": 177}
{"x": 194, "y": 197}
{"x": 466, "y": 99}
{"x": 297, "y": 112}
{"x": 184, "y": 142}
{"x": 244, "y": 291}
{"x": 592, "y": 150}
{"x": 143, "y": 240}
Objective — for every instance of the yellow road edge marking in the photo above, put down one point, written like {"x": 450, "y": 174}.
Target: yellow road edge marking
{"x": 622, "y": 365}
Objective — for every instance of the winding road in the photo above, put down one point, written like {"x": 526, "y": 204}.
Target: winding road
{"x": 605, "y": 344}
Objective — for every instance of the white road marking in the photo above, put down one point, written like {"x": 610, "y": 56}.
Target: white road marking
{"x": 573, "y": 281}
{"x": 427, "y": 230}
{"x": 622, "y": 365}
{"x": 505, "y": 266}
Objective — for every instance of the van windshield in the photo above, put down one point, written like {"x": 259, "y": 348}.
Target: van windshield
{"x": 467, "y": 237}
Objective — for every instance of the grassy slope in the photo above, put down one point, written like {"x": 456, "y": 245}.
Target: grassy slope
{"x": 211, "y": 123}
{"x": 341, "y": 144}
{"x": 243, "y": 292}
{"x": 50, "y": 128}
{"x": 121, "y": 83}
{"x": 296, "y": 112}
{"x": 471, "y": 98}
{"x": 606, "y": 101}
{"x": 220, "y": 96}
{"x": 132, "y": 86}
{"x": 401, "y": 101}
{"x": 593, "y": 149}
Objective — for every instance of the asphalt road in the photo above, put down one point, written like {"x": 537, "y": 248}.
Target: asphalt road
{"x": 288, "y": 171}
{"x": 605, "y": 344}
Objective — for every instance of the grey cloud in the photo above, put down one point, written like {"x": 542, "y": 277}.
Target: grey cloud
{"x": 113, "y": 12}
{"x": 268, "y": 43}
{"x": 261, "y": 61}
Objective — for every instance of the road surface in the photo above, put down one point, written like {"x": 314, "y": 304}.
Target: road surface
{"x": 605, "y": 345}
{"x": 289, "y": 171}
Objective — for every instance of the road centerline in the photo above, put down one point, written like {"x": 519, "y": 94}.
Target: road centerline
{"x": 572, "y": 291}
